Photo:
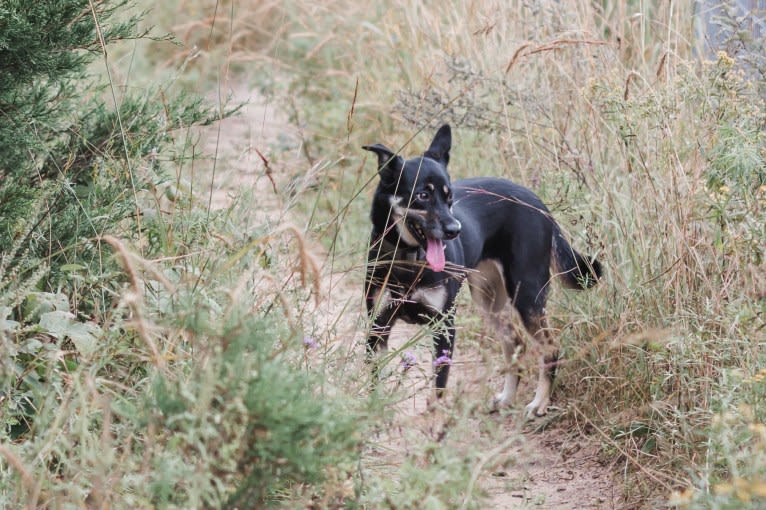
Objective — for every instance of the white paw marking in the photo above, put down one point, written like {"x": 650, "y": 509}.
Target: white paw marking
{"x": 505, "y": 397}
{"x": 539, "y": 406}
{"x": 535, "y": 409}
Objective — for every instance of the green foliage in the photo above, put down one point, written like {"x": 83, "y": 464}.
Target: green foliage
{"x": 235, "y": 425}
{"x": 243, "y": 415}
{"x": 736, "y": 154}
{"x": 62, "y": 139}
{"x": 26, "y": 57}
{"x": 735, "y": 477}
{"x": 132, "y": 383}
{"x": 71, "y": 169}
{"x": 170, "y": 378}
{"x": 39, "y": 93}
{"x": 735, "y": 28}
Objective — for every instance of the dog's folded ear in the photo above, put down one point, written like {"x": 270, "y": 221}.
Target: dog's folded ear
{"x": 389, "y": 164}
{"x": 440, "y": 145}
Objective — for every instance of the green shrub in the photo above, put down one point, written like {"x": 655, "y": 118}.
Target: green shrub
{"x": 91, "y": 407}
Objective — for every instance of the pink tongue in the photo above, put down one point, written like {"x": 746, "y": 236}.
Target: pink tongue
{"x": 435, "y": 254}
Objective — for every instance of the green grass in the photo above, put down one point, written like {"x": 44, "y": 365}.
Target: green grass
{"x": 200, "y": 392}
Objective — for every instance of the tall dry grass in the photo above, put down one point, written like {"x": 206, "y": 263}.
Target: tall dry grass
{"x": 649, "y": 158}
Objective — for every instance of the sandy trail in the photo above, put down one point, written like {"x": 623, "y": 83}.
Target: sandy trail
{"x": 550, "y": 469}
{"x": 528, "y": 464}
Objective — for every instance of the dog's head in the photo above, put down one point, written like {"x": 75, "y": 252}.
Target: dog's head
{"x": 414, "y": 198}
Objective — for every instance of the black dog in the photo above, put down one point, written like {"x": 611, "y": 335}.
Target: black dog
{"x": 428, "y": 235}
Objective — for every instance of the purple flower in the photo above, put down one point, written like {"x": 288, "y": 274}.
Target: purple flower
{"x": 442, "y": 360}
{"x": 309, "y": 343}
{"x": 408, "y": 360}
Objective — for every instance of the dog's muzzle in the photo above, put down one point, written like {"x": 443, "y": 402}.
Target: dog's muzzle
{"x": 452, "y": 229}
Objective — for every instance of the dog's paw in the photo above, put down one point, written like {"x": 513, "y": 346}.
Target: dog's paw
{"x": 498, "y": 402}
{"x": 536, "y": 409}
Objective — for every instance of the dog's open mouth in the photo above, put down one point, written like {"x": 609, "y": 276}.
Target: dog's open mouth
{"x": 434, "y": 247}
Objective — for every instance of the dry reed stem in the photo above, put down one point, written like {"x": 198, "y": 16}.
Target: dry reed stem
{"x": 133, "y": 298}
{"x": 661, "y": 65}
{"x": 351, "y": 111}
{"x": 146, "y": 265}
{"x": 308, "y": 267}
{"x": 631, "y": 75}
{"x": 267, "y": 170}
{"x": 558, "y": 43}
{"x": 308, "y": 263}
{"x": 516, "y": 56}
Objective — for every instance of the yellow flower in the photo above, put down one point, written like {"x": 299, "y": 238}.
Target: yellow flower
{"x": 724, "y": 59}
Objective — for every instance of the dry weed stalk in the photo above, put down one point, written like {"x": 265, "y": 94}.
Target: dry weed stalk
{"x": 133, "y": 298}
{"x": 308, "y": 267}
{"x": 516, "y": 56}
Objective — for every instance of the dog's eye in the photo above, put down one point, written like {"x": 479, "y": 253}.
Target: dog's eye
{"x": 423, "y": 195}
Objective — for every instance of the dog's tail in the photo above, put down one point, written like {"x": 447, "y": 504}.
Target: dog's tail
{"x": 576, "y": 271}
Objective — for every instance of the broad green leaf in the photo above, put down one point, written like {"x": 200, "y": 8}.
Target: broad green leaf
{"x": 61, "y": 324}
{"x": 56, "y": 323}
{"x": 84, "y": 335}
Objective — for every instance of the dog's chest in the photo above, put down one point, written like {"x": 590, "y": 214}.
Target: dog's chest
{"x": 410, "y": 306}
{"x": 433, "y": 297}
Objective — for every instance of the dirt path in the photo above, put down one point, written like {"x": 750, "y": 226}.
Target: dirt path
{"x": 550, "y": 469}
{"x": 528, "y": 464}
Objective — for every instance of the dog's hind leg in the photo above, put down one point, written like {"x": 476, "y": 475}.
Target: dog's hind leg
{"x": 529, "y": 297}
{"x": 538, "y": 327}
{"x": 489, "y": 292}
{"x": 513, "y": 347}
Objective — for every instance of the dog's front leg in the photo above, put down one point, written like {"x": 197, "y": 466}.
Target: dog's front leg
{"x": 444, "y": 342}
{"x": 377, "y": 339}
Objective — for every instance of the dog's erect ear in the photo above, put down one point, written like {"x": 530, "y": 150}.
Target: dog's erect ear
{"x": 389, "y": 164}
{"x": 440, "y": 145}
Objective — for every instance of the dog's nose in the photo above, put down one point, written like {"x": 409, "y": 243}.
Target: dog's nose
{"x": 452, "y": 229}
